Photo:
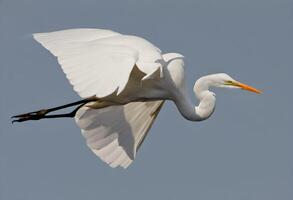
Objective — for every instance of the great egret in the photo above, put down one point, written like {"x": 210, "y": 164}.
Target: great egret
{"x": 124, "y": 81}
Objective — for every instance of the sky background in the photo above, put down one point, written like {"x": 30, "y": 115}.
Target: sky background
{"x": 244, "y": 151}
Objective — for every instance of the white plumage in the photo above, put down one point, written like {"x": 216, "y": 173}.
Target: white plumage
{"x": 115, "y": 133}
{"x": 87, "y": 56}
{"x": 128, "y": 80}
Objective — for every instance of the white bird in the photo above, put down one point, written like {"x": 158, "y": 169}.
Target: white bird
{"x": 124, "y": 81}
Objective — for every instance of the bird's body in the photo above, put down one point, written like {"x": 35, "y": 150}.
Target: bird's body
{"x": 125, "y": 81}
{"x": 170, "y": 86}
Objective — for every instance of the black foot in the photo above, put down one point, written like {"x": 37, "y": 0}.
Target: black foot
{"x": 37, "y": 115}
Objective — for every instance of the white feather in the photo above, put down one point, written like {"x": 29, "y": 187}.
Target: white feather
{"x": 99, "y": 62}
{"x": 115, "y": 133}
{"x": 130, "y": 76}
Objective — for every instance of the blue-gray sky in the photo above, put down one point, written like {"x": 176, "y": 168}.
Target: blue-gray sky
{"x": 244, "y": 151}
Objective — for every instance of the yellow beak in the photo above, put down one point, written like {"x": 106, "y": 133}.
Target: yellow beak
{"x": 245, "y": 87}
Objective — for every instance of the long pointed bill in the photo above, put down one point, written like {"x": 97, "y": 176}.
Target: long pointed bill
{"x": 246, "y": 87}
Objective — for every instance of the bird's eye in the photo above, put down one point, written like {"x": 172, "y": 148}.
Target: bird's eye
{"x": 228, "y": 82}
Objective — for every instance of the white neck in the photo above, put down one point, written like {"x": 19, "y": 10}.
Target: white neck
{"x": 207, "y": 101}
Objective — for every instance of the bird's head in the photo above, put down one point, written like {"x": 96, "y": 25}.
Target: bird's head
{"x": 225, "y": 81}
{"x": 221, "y": 80}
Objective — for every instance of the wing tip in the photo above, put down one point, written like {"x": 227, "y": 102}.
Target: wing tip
{"x": 37, "y": 36}
{"x": 41, "y": 38}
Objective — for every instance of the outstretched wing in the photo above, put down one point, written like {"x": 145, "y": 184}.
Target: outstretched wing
{"x": 115, "y": 133}
{"x": 99, "y": 62}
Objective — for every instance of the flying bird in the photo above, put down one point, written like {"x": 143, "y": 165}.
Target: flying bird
{"x": 123, "y": 81}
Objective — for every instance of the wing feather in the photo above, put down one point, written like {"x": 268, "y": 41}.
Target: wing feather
{"x": 115, "y": 133}
{"x": 92, "y": 67}
{"x": 99, "y": 62}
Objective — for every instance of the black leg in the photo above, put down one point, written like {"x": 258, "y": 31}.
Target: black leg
{"x": 71, "y": 114}
{"x": 41, "y": 114}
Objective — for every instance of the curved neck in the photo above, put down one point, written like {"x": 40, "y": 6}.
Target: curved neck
{"x": 207, "y": 102}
